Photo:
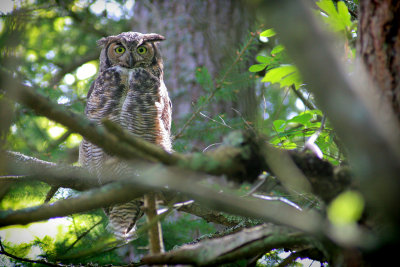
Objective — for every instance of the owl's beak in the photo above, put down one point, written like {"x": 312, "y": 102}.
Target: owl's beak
{"x": 131, "y": 61}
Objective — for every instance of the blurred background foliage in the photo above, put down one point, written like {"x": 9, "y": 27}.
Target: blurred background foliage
{"x": 232, "y": 75}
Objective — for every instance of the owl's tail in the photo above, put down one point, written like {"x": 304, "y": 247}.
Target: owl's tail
{"x": 123, "y": 218}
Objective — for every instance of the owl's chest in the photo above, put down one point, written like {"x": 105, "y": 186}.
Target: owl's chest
{"x": 140, "y": 93}
{"x": 139, "y": 106}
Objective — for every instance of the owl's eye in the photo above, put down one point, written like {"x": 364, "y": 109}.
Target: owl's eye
{"x": 142, "y": 50}
{"x": 120, "y": 50}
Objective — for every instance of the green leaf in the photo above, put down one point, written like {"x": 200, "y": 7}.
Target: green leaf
{"x": 264, "y": 59}
{"x": 344, "y": 14}
{"x": 346, "y": 208}
{"x": 277, "y": 49}
{"x": 339, "y": 19}
{"x": 293, "y": 78}
{"x": 278, "y": 74}
{"x": 257, "y": 67}
{"x": 327, "y": 6}
{"x": 289, "y": 145}
{"x": 268, "y": 33}
{"x": 302, "y": 118}
{"x": 279, "y": 125}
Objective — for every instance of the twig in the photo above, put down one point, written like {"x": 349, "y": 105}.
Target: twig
{"x": 156, "y": 242}
{"x": 223, "y": 124}
{"x": 53, "y": 190}
{"x": 305, "y": 101}
{"x": 261, "y": 180}
{"x": 310, "y": 143}
{"x": 218, "y": 86}
{"x": 281, "y": 199}
{"x": 44, "y": 262}
{"x": 309, "y": 252}
{"x": 82, "y": 236}
{"x": 154, "y": 221}
{"x": 57, "y": 142}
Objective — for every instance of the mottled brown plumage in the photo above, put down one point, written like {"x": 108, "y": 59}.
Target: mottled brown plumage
{"x": 130, "y": 91}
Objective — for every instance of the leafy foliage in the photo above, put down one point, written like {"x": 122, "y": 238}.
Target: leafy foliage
{"x": 291, "y": 132}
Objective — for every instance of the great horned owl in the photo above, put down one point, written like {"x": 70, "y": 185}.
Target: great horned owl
{"x": 130, "y": 91}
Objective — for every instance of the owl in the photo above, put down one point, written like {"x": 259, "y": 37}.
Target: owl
{"x": 130, "y": 91}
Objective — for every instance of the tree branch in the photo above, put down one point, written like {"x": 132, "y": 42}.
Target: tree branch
{"x": 97, "y": 198}
{"x": 153, "y": 177}
{"x": 156, "y": 242}
{"x": 246, "y": 243}
{"x": 55, "y": 175}
{"x": 242, "y": 157}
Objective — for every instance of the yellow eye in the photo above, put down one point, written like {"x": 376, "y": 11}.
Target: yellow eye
{"x": 142, "y": 50}
{"x": 120, "y": 50}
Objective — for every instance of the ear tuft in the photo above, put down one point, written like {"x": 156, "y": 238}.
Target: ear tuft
{"x": 153, "y": 37}
{"x": 102, "y": 42}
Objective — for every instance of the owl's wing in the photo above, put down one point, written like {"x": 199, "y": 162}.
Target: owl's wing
{"x": 166, "y": 116}
{"x": 103, "y": 101}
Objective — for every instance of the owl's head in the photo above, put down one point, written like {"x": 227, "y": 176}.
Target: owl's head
{"x": 131, "y": 50}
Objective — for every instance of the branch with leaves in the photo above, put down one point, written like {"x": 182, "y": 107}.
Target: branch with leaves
{"x": 373, "y": 140}
{"x": 242, "y": 156}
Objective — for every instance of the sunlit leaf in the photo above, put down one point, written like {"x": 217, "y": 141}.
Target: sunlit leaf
{"x": 279, "y": 125}
{"x": 277, "y": 49}
{"x": 268, "y": 33}
{"x": 263, "y": 59}
{"x": 257, "y": 67}
{"x": 339, "y": 19}
{"x": 302, "y": 118}
{"x": 293, "y": 78}
{"x": 346, "y": 208}
{"x": 277, "y": 74}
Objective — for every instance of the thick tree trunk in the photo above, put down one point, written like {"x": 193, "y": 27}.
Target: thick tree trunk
{"x": 198, "y": 34}
{"x": 379, "y": 46}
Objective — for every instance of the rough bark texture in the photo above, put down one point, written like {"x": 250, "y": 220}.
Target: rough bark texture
{"x": 379, "y": 46}
{"x": 198, "y": 34}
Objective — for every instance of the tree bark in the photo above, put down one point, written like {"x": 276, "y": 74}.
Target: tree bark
{"x": 379, "y": 46}
{"x": 198, "y": 34}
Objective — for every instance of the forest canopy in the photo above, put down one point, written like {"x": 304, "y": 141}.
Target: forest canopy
{"x": 285, "y": 131}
